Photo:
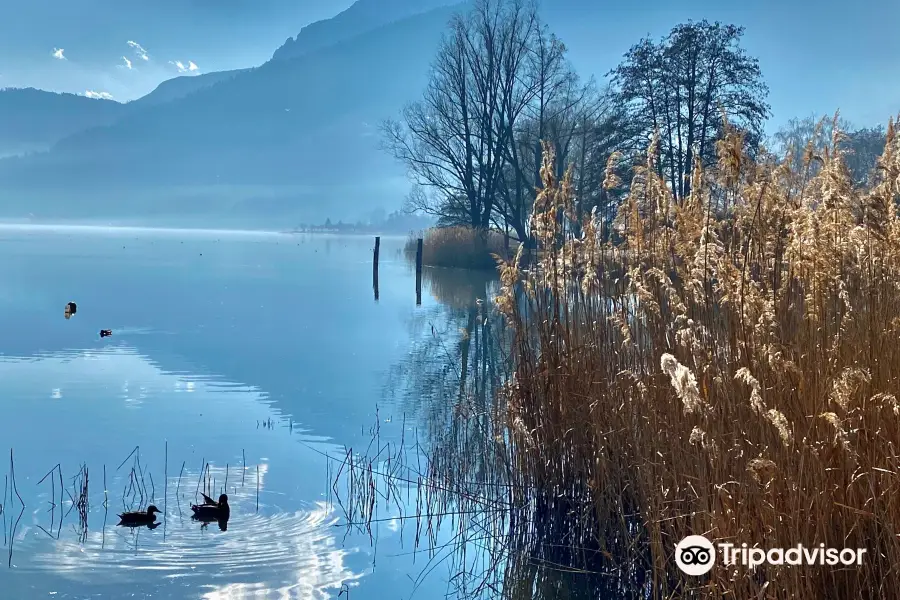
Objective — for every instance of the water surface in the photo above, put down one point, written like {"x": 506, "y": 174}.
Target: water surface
{"x": 255, "y": 353}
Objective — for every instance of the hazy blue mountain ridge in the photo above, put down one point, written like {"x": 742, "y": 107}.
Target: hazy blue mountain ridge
{"x": 179, "y": 87}
{"x": 293, "y": 126}
{"x": 362, "y": 16}
{"x": 284, "y": 122}
{"x": 33, "y": 119}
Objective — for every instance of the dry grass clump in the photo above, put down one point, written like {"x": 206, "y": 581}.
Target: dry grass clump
{"x": 461, "y": 247}
{"x": 734, "y": 374}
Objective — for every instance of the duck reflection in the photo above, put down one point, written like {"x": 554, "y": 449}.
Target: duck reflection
{"x": 212, "y": 512}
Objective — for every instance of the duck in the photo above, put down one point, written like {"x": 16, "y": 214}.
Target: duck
{"x": 212, "y": 511}
{"x": 71, "y": 309}
{"x": 138, "y": 518}
{"x": 105, "y": 333}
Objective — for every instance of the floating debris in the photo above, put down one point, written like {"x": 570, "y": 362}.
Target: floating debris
{"x": 105, "y": 333}
{"x": 71, "y": 308}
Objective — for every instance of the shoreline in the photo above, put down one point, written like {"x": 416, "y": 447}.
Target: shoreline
{"x": 68, "y": 227}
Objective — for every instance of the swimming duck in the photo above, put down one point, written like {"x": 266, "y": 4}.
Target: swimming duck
{"x": 212, "y": 511}
{"x": 71, "y": 308}
{"x": 137, "y": 518}
{"x": 208, "y": 500}
{"x": 105, "y": 333}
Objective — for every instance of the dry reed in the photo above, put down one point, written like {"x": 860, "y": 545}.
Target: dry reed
{"x": 725, "y": 366}
{"x": 460, "y": 247}
{"x": 735, "y": 376}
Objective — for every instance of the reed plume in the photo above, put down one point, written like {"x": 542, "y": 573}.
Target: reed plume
{"x": 727, "y": 366}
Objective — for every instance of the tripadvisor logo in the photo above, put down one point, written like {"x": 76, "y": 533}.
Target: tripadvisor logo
{"x": 695, "y": 555}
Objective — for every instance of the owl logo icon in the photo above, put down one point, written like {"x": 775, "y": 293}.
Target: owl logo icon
{"x": 695, "y": 555}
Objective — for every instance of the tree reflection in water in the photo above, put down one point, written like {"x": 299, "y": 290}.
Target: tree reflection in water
{"x": 499, "y": 540}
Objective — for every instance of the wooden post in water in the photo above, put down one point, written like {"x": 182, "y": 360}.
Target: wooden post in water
{"x": 418, "y": 271}
{"x": 165, "y": 491}
{"x": 375, "y": 266}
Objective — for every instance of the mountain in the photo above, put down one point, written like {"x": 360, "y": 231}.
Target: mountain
{"x": 362, "y": 16}
{"x": 270, "y": 124}
{"x": 288, "y": 138}
{"x": 214, "y": 34}
{"x": 33, "y": 120}
{"x": 179, "y": 87}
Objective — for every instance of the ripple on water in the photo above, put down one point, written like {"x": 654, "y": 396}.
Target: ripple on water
{"x": 286, "y": 554}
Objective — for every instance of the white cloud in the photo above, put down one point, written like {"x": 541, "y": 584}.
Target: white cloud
{"x": 98, "y": 95}
{"x": 182, "y": 68}
{"x": 58, "y": 53}
{"x": 138, "y": 50}
{"x": 127, "y": 62}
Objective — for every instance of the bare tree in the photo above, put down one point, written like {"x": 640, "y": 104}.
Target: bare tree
{"x": 812, "y": 136}
{"x": 799, "y": 137}
{"x": 548, "y": 108}
{"x": 681, "y": 86}
{"x": 862, "y": 147}
{"x": 605, "y": 128}
{"x": 453, "y": 141}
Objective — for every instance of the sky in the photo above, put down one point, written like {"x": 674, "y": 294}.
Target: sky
{"x": 815, "y": 56}
{"x": 83, "y": 45}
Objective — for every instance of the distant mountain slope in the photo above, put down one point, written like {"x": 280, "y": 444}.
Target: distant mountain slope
{"x": 293, "y": 140}
{"x": 304, "y": 121}
{"x": 33, "y": 119}
{"x": 179, "y": 87}
{"x": 215, "y": 34}
{"x": 362, "y": 16}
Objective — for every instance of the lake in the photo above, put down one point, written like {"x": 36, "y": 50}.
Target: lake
{"x": 238, "y": 362}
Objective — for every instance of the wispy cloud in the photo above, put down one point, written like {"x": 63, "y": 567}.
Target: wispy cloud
{"x": 127, "y": 62}
{"x": 98, "y": 95}
{"x": 58, "y": 53}
{"x": 182, "y": 68}
{"x": 138, "y": 50}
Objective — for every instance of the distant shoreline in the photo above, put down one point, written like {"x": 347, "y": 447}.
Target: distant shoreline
{"x": 349, "y": 231}
{"x": 99, "y": 227}
{"x": 110, "y": 228}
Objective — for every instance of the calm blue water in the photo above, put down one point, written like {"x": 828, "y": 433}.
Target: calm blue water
{"x": 256, "y": 353}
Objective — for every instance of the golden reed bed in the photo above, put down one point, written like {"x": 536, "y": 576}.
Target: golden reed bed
{"x": 727, "y": 366}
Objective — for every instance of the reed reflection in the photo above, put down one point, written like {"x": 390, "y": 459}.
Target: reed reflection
{"x": 501, "y": 538}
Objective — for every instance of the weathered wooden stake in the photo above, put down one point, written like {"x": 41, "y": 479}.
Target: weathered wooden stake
{"x": 418, "y": 271}
{"x": 165, "y": 490}
{"x": 375, "y": 266}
